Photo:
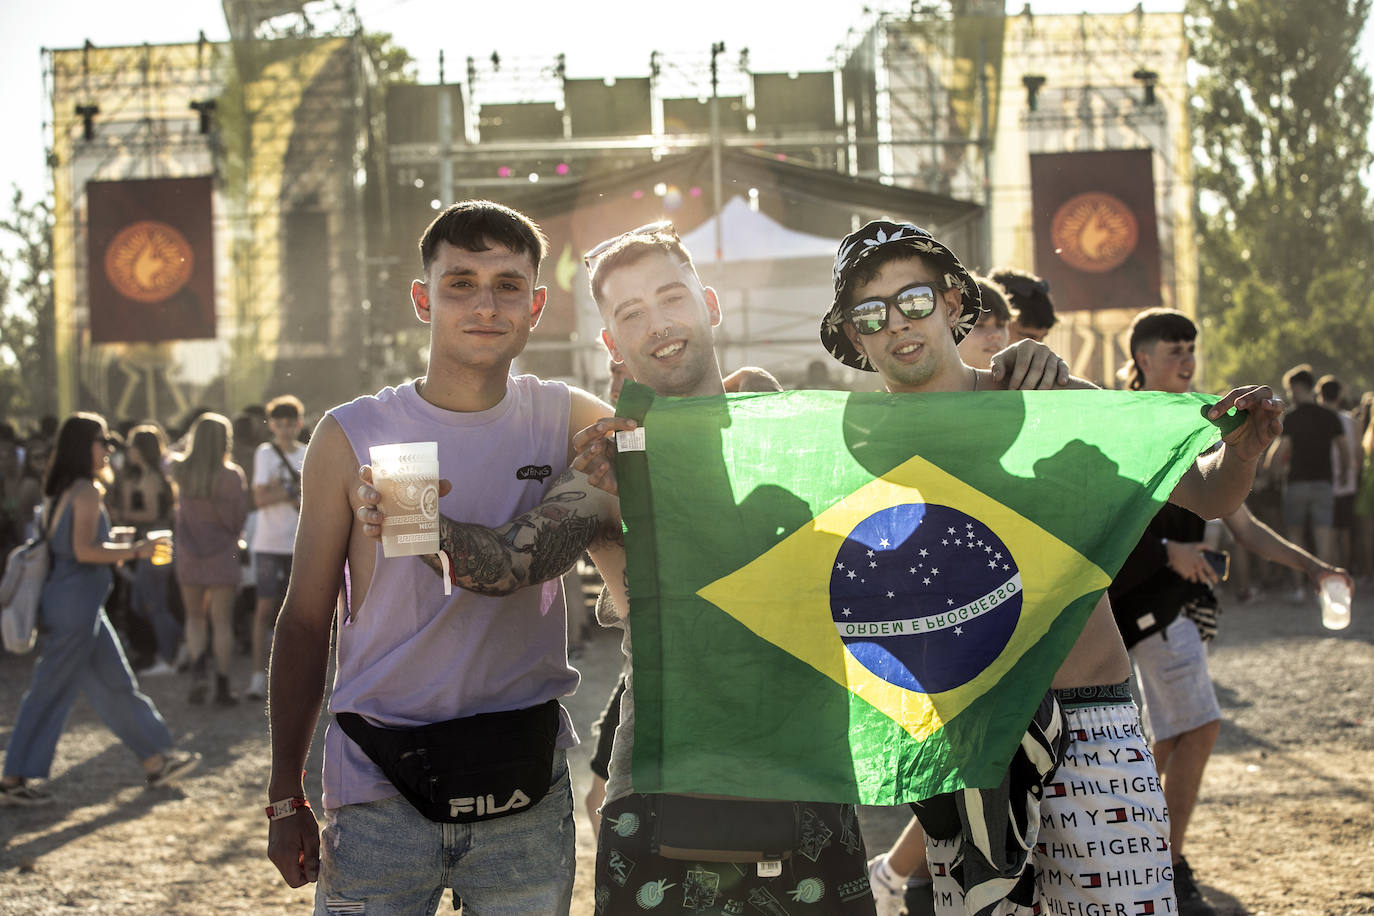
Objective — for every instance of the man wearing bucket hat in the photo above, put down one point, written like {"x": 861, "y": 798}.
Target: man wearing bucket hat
{"x": 902, "y": 302}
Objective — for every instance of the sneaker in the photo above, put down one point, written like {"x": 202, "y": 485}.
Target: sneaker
{"x": 1190, "y": 902}
{"x": 889, "y": 891}
{"x": 25, "y": 796}
{"x": 157, "y": 669}
{"x": 257, "y": 687}
{"x": 175, "y": 764}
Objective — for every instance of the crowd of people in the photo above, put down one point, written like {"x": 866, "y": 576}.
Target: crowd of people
{"x": 478, "y": 672}
{"x": 165, "y": 560}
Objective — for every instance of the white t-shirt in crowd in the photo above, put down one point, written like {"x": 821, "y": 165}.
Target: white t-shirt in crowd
{"x": 276, "y": 529}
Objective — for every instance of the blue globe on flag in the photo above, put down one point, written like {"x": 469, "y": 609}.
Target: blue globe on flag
{"x": 924, "y": 596}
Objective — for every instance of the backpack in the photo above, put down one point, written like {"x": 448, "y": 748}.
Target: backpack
{"x": 26, "y": 569}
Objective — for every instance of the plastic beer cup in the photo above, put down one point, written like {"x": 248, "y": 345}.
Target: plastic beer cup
{"x": 407, "y": 476}
{"x": 1335, "y": 595}
{"x": 162, "y": 553}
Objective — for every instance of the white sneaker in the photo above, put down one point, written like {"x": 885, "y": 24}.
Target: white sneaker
{"x": 257, "y": 687}
{"x": 157, "y": 669}
{"x": 889, "y": 891}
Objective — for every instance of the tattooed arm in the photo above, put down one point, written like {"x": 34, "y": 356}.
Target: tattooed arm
{"x": 539, "y": 545}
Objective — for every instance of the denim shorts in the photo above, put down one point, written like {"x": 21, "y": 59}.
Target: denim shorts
{"x": 384, "y": 857}
{"x": 273, "y": 572}
{"x": 1308, "y": 499}
{"x": 1175, "y": 685}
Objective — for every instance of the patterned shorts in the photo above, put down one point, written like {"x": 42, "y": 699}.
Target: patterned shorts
{"x": 826, "y": 874}
{"x": 1102, "y": 845}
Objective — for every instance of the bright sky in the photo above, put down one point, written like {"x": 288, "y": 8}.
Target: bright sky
{"x": 615, "y": 40}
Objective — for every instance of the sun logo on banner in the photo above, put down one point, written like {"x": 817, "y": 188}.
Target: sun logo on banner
{"x": 148, "y": 261}
{"x": 1094, "y": 232}
{"x": 924, "y": 596}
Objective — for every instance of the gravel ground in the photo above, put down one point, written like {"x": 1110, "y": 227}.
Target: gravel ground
{"x": 1285, "y": 825}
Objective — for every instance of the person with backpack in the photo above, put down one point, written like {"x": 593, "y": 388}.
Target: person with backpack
{"x": 78, "y": 651}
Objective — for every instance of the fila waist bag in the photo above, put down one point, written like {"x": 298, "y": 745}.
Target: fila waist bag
{"x": 471, "y": 769}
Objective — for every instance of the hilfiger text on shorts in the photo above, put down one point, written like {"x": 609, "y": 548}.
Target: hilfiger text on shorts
{"x": 1116, "y": 846}
{"x": 1111, "y": 786}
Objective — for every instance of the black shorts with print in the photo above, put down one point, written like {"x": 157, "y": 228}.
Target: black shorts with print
{"x": 826, "y": 875}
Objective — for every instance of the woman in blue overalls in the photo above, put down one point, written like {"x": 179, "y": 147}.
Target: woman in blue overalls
{"x": 78, "y": 651}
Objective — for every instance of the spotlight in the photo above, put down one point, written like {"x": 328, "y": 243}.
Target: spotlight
{"x": 88, "y": 113}
{"x": 205, "y": 109}
{"x": 1148, "y": 79}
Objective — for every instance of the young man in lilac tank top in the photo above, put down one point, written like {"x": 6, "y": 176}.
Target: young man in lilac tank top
{"x": 407, "y": 655}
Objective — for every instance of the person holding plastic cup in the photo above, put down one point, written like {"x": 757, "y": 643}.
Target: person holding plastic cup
{"x": 78, "y": 652}
{"x": 408, "y": 653}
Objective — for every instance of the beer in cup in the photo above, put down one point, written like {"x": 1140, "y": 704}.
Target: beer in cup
{"x": 162, "y": 552}
{"x": 407, "y": 476}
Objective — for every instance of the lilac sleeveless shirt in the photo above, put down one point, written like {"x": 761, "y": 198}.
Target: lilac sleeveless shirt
{"x": 408, "y": 655}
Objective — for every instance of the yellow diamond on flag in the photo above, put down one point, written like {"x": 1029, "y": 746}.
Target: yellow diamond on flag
{"x": 969, "y": 628}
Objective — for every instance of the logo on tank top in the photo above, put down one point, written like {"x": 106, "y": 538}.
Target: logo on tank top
{"x": 534, "y": 472}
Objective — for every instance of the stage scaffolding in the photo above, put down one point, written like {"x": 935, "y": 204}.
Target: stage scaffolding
{"x": 282, "y": 125}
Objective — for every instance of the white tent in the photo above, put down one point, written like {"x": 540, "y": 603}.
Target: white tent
{"x": 751, "y": 236}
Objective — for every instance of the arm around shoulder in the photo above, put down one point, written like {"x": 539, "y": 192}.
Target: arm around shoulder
{"x": 585, "y": 409}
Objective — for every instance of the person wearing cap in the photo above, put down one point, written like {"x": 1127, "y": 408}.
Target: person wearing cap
{"x": 1031, "y": 306}
{"x": 902, "y": 302}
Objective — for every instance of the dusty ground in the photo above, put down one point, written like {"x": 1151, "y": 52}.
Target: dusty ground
{"x": 1286, "y": 825}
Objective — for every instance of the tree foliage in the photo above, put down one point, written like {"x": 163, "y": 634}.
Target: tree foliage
{"x": 27, "y": 371}
{"x": 1281, "y": 119}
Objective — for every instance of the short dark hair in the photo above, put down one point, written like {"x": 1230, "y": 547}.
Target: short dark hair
{"x": 476, "y": 225}
{"x": 994, "y": 299}
{"x": 1154, "y": 325}
{"x": 1300, "y": 376}
{"x": 1329, "y": 387}
{"x": 632, "y": 248}
{"x": 864, "y": 271}
{"x": 1028, "y": 295}
{"x": 287, "y": 405}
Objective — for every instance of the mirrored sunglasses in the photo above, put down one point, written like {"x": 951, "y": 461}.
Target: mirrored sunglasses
{"x": 915, "y": 302}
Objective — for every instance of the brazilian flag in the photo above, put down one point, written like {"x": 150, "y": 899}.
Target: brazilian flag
{"x": 862, "y": 597}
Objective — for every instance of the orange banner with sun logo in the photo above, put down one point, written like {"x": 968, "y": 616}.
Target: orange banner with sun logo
{"x": 1096, "y": 239}
{"x": 151, "y": 263}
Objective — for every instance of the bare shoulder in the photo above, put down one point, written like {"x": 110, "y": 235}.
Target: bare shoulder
{"x": 585, "y": 409}
{"x": 329, "y": 457}
{"x": 84, "y": 492}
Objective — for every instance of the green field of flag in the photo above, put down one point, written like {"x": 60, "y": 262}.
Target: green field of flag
{"x": 862, "y": 596}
